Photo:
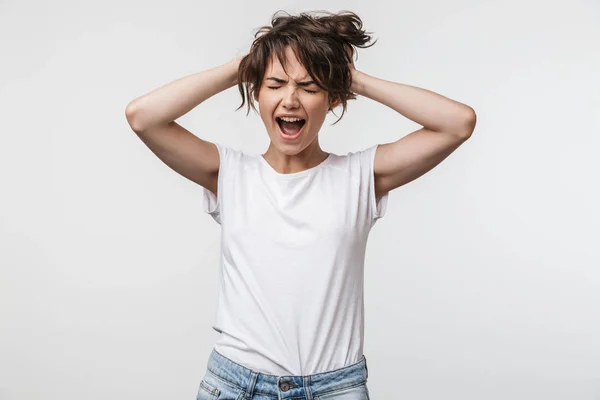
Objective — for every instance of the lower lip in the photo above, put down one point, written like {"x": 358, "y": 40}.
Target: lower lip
{"x": 290, "y": 137}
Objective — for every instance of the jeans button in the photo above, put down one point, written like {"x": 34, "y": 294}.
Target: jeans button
{"x": 284, "y": 386}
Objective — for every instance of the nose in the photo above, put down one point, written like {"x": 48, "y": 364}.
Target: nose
{"x": 290, "y": 98}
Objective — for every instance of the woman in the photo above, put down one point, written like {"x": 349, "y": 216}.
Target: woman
{"x": 295, "y": 220}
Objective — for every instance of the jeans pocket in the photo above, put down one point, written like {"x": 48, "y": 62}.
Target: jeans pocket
{"x": 358, "y": 392}
{"x": 215, "y": 388}
{"x": 207, "y": 391}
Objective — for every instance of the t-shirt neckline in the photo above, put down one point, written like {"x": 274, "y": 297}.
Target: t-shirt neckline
{"x": 294, "y": 174}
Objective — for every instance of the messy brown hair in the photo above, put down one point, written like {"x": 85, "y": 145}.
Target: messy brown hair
{"x": 323, "y": 42}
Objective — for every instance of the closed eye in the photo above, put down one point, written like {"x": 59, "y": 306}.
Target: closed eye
{"x": 277, "y": 87}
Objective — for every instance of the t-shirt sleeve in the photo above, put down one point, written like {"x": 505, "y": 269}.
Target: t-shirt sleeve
{"x": 211, "y": 203}
{"x": 376, "y": 207}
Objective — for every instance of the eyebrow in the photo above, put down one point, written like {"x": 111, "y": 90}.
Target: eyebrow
{"x": 305, "y": 83}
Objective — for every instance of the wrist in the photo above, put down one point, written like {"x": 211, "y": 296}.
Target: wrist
{"x": 358, "y": 84}
{"x": 233, "y": 67}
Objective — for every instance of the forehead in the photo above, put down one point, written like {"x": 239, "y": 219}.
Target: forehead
{"x": 295, "y": 69}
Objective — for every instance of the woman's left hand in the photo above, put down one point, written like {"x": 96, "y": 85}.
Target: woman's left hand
{"x": 353, "y": 71}
{"x": 356, "y": 85}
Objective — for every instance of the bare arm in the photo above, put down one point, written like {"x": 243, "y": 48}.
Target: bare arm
{"x": 446, "y": 125}
{"x": 171, "y": 101}
{"x": 152, "y": 117}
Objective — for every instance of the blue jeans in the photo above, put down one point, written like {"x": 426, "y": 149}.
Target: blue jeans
{"x": 227, "y": 380}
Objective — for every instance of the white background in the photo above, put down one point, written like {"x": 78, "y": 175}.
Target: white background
{"x": 482, "y": 280}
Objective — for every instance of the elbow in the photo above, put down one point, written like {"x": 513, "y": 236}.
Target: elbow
{"x": 468, "y": 123}
{"x": 132, "y": 115}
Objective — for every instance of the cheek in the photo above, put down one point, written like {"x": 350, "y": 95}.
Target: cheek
{"x": 269, "y": 103}
{"x": 320, "y": 105}
{"x": 318, "y": 111}
{"x": 265, "y": 108}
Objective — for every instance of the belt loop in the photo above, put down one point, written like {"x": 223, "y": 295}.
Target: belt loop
{"x": 307, "y": 388}
{"x": 366, "y": 368}
{"x": 251, "y": 385}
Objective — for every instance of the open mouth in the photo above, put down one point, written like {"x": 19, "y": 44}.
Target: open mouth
{"x": 290, "y": 129}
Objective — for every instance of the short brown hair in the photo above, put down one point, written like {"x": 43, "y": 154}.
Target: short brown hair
{"x": 323, "y": 42}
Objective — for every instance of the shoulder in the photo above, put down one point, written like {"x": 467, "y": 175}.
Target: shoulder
{"x": 361, "y": 158}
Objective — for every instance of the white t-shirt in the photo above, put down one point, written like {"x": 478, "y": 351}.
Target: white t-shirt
{"x": 292, "y": 261}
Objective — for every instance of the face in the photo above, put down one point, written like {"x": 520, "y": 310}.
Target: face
{"x": 293, "y": 94}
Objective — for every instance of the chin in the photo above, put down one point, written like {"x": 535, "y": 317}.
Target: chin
{"x": 289, "y": 149}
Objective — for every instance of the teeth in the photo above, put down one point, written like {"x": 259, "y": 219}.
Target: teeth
{"x": 290, "y": 119}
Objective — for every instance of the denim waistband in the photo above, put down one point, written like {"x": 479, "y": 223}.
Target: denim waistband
{"x": 254, "y": 382}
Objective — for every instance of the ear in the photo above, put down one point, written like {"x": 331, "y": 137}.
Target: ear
{"x": 334, "y": 103}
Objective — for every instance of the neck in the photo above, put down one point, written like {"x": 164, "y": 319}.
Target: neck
{"x": 292, "y": 163}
